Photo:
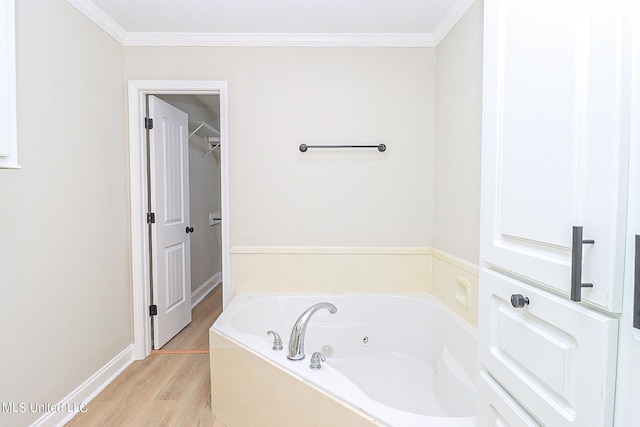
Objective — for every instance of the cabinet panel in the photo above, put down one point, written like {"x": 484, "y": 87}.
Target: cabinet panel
{"x": 556, "y": 358}
{"x": 628, "y": 384}
{"x": 553, "y": 151}
{"x": 497, "y": 408}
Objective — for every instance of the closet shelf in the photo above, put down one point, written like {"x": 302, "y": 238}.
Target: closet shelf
{"x": 205, "y": 130}
{"x": 211, "y": 134}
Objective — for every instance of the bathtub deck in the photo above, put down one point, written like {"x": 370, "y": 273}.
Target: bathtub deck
{"x": 171, "y": 387}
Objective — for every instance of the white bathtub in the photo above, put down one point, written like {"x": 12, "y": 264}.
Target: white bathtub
{"x": 403, "y": 360}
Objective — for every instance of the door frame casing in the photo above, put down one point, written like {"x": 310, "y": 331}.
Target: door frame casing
{"x": 138, "y": 182}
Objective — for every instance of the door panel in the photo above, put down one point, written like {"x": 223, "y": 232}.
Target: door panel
{"x": 497, "y": 408}
{"x": 628, "y": 384}
{"x": 553, "y": 154}
{"x": 556, "y": 358}
{"x": 168, "y": 148}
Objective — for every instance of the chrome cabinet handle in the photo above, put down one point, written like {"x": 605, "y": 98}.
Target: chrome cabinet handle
{"x": 576, "y": 264}
{"x": 636, "y": 286}
{"x": 519, "y": 301}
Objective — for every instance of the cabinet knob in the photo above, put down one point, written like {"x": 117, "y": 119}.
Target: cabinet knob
{"x": 519, "y": 301}
{"x": 189, "y": 230}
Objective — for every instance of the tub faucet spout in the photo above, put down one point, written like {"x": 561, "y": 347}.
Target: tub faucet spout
{"x": 296, "y": 342}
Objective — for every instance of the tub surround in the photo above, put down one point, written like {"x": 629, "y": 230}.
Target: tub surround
{"x": 250, "y": 387}
{"x": 330, "y": 269}
{"x": 455, "y": 283}
{"x": 358, "y": 269}
{"x": 251, "y": 382}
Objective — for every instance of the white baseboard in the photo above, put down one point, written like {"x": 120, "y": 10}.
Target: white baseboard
{"x": 78, "y": 399}
{"x": 204, "y": 289}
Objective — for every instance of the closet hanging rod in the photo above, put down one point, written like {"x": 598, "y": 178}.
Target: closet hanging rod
{"x": 305, "y": 147}
{"x": 211, "y": 150}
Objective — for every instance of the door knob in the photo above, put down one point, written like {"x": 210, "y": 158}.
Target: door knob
{"x": 189, "y": 229}
{"x": 519, "y": 301}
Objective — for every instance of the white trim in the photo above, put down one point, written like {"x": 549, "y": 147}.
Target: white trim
{"x": 467, "y": 266}
{"x": 384, "y": 250}
{"x": 449, "y": 21}
{"x": 280, "y": 39}
{"x": 77, "y": 400}
{"x": 138, "y": 90}
{"x": 91, "y": 11}
{"x": 204, "y": 289}
{"x": 8, "y": 108}
{"x": 101, "y": 19}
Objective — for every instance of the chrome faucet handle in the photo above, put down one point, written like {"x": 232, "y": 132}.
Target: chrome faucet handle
{"x": 277, "y": 341}
{"x": 316, "y": 359}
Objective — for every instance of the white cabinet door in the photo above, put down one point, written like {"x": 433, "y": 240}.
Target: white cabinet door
{"x": 556, "y": 358}
{"x": 554, "y": 153}
{"x": 497, "y": 408}
{"x": 628, "y": 383}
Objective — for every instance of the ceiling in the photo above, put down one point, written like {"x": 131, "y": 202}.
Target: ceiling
{"x": 275, "y": 22}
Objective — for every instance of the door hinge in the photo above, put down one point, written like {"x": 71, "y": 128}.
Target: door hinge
{"x": 151, "y": 218}
{"x": 148, "y": 123}
{"x": 153, "y": 310}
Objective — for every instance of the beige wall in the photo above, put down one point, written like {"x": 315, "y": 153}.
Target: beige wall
{"x": 458, "y": 137}
{"x": 281, "y": 97}
{"x": 64, "y": 259}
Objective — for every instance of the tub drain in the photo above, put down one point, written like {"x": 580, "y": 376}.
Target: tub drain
{"x": 365, "y": 340}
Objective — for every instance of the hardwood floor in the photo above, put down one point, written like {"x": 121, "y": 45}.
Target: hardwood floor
{"x": 171, "y": 387}
{"x": 196, "y": 335}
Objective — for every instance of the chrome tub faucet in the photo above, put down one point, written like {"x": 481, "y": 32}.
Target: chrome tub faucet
{"x": 296, "y": 341}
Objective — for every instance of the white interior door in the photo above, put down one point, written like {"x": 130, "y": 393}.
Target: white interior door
{"x": 554, "y": 85}
{"x": 170, "y": 252}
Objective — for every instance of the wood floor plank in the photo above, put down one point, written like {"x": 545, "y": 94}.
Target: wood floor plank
{"x": 168, "y": 388}
{"x": 145, "y": 380}
{"x": 183, "y": 381}
{"x": 196, "y": 335}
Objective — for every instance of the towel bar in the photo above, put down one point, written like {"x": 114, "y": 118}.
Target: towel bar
{"x": 305, "y": 147}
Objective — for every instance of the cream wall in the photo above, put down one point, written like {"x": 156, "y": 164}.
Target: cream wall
{"x": 295, "y": 204}
{"x": 454, "y": 263}
{"x": 458, "y": 138}
{"x": 65, "y": 308}
{"x": 281, "y": 97}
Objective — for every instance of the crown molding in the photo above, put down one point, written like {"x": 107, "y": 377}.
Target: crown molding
{"x": 279, "y": 39}
{"x": 450, "y": 20}
{"x": 101, "y": 19}
{"x": 91, "y": 11}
